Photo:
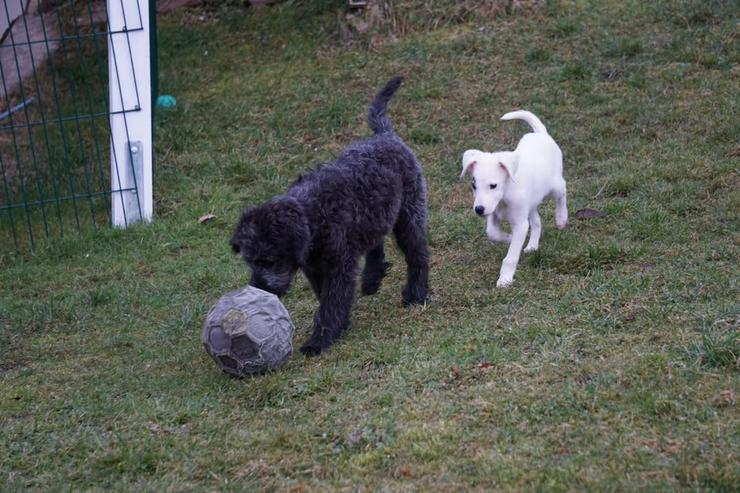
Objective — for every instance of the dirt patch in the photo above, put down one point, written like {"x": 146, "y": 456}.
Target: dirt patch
{"x": 6, "y": 366}
{"x": 31, "y": 40}
{"x": 379, "y": 22}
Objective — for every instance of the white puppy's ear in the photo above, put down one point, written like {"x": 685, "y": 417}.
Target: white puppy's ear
{"x": 469, "y": 160}
{"x": 509, "y": 163}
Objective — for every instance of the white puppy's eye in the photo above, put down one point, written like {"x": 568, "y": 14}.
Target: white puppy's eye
{"x": 473, "y": 185}
{"x": 492, "y": 186}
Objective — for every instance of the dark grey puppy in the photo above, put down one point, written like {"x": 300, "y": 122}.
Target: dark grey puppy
{"x": 329, "y": 218}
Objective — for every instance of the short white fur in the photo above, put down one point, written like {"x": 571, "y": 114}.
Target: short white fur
{"x": 512, "y": 185}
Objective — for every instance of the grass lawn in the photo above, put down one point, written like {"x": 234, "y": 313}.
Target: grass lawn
{"x": 610, "y": 365}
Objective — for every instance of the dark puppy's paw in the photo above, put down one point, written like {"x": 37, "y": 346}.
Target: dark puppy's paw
{"x": 310, "y": 349}
{"x": 370, "y": 286}
{"x": 414, "y": 301}
{"x": 372, "y": 279}
{"x": 414, "y": 297}
{"x": 315, "y": 345}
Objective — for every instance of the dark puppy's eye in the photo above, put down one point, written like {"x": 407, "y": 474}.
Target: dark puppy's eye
{"x": 492, "y": 186}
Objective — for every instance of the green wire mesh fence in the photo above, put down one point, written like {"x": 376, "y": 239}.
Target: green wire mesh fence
{"x": 55, "y": 116}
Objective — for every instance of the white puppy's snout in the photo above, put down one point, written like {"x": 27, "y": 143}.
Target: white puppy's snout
{"x": 479, "y": 209}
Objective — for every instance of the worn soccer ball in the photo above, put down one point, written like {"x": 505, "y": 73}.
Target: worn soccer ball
{"x": 248, "y": 332}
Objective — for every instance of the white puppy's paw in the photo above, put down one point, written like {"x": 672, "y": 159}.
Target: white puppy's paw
{"x": 531, "y": 248}
{"x": 561, "y": 220}
{"x": 504, "y": 282}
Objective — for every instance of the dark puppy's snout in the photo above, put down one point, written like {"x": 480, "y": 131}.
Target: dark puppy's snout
{"x": 479, "y": 209}
{"x": 278, "y": 287}
{"x": 260, "y": 283}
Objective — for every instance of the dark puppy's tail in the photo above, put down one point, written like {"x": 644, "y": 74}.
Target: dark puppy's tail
{"x": 376, "y": 117}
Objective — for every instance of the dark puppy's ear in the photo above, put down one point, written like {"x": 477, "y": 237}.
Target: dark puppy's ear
{"x": 239, "y": 237}
{"x": 289, "y": 219}
{"x": 301, "y": 242}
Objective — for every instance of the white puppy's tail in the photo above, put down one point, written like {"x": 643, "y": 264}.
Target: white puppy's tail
{"x": 528, "y": 117}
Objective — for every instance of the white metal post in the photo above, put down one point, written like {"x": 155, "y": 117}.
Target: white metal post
{"x": 129, "y": 81}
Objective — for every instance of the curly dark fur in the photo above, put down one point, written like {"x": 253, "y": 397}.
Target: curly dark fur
{"x": 329, "y": 218}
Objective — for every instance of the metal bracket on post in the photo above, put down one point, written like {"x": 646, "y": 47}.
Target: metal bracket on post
{"x": 134, "y": 173}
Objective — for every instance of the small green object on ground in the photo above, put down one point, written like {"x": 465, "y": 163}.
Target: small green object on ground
{"x": 166, "y": 101}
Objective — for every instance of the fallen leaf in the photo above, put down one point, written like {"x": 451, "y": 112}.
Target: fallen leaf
{"x": 584, "y": 379}
{"x": 588, "y": 213}
{"x": 727, "y": 397}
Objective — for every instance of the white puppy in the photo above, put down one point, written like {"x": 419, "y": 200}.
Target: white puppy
{"x": 511, "y": 186}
